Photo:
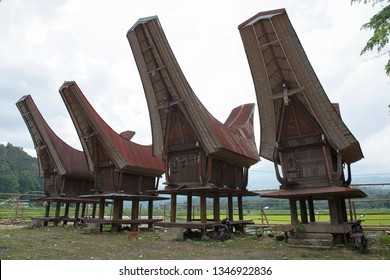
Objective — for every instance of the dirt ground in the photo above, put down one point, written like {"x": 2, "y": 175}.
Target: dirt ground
{"x": 21, "y": 242}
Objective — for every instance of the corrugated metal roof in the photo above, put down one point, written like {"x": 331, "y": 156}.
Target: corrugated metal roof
{"x": 124, "y": 153}
{"x": 66, "y": 160}
{"x": 276, "y": 57}
{"x": 165, "y": 86}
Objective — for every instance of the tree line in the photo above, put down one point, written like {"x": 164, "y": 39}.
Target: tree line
{"x": 19, "y": 172}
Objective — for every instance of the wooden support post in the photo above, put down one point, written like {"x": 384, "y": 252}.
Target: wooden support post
{"x": 150, "y": 213}
{"x": 102, "y": 206}
{"x": 293, "y": 211}
{"x": 77, "y": 210}
{"x": 134, "y": 213}
{"x": 302, "y": 206}
{"x": 343, "y": 208}
{"x": 83, "y": 208}
{"x": 57, "y": 214}
{"x": 312, "y": 215}
{"x": 47, "y": 212}
{"x": 66, "y": 214}
{"x": 203, "y": 208}
{"x": 216, "y": 207}
{"x": 116, "y": 214}
{"x": 173, "y": 208}
{"x": 350, "y": 209}
{"x": 333, "y": 210}
{"x": 94, "y": 210}
{"x": 189, "y": 207}
{"x": 240, "y": 208}
{"x": 230, "y": 207}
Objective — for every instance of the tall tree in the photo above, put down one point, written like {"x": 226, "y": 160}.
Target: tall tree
{"x": 380, "y": 24}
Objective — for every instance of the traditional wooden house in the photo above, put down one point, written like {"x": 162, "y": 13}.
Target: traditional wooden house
{"x": 202, "y": 156}
{"x": 123, "y": 170}
{"x": 63, "y": 169}
{"x": 301, "y": 131}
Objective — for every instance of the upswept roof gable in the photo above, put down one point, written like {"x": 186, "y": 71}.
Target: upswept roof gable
{"x": 124, "y": 153}
{"x": 166, "y": 88}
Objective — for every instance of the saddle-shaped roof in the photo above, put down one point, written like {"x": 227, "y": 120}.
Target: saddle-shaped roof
{"x": 66, "y": 160}
{"x": 125, "y": 154}
{"x": 166, "y": 89}
{"x": 280, "y": 71}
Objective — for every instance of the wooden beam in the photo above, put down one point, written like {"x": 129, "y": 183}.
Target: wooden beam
{"x": 47, "y": 213}
{"x": 333, "y": 211}
{"x": 77, "y": 210}
{"x": 173, "y": 207}
{"x": 240, "y": 208}
{"x": 83, "y": 209}
{"x": 302, "y": 206}
{"x": 134, "y": 213}
{"x": 203, "y": 208}
{"x": 293, "y": 211}
{"x": 66, "y": 214}
{"x": 94, "y": 210}
{"x": 189, "y": 207}
{"x": 150, "y": 212}
{"x": 312, "y": 216}
{"x": 116, "y": 214}
{"x": 216, "y": 207}
{"x": 230, "y": 206}
{"x": 57, "y": 214}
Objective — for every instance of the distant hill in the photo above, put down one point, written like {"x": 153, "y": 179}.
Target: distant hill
{"x": 19, "y": 171}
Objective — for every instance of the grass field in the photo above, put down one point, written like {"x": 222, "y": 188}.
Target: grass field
{"x": 68, "y": 243}
{"x": 371, "y": 217}
{"x": 19, "y": 241}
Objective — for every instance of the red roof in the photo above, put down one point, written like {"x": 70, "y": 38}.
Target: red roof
{"x": 165, "y": 85}
{"x": 124, "y": 153}
{"x": 66, "y": 160}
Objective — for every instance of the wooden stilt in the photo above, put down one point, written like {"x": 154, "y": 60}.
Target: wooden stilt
{"x": 203, "y": 208}
{"x": 134, "y": 213}
{"x": 57, "y": 214}
{"x": 66, "y": 214}
{"x": 116, "y": 214}
{"x": 94, "y": 210}
{"x": 216, "y": 207}
{"x": 230, "y": 207}
{"x": 302, "y": 206}
{"x": 102, "y": 206}
{"x": 333, "y": 213}
{"x": 47, "y": 212}
{"x": 83, "y": 208}
{"x": 240, "y": 208}
{"x": 189, "y": 207}
{"x": 173, "y": 208}
{"x": 310, "y": 202}
{"x": 150, "y": 213}
{"x": 293, "y": 211}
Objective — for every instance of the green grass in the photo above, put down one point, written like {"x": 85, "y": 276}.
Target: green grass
{"x": 384, "y": 239}
{"x": 378, "y": 217}
{"x": 68, "y": 243}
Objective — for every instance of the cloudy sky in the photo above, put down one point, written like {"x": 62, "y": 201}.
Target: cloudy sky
{"x": 44, "y": 43}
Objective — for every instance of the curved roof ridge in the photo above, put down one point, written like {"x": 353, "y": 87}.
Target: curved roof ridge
{"x": 125, "y": 153}
{"x": 280, "y": 68}
{"x": 166, "y": 87}
{"x": 66, "y": 159}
